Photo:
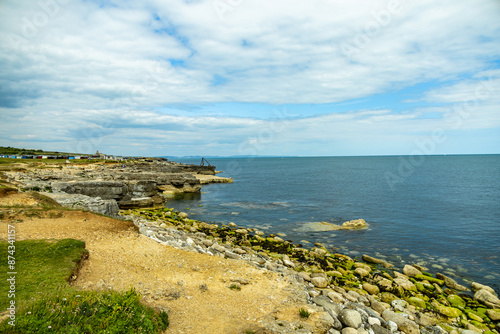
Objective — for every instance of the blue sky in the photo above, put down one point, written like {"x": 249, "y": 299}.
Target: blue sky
{"x": 239, "y": 77}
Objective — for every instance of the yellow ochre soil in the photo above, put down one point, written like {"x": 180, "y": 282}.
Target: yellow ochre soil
{"x": 193, "y": 288}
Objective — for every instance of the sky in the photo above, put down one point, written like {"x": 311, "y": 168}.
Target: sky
{"x": 251, "y": 77}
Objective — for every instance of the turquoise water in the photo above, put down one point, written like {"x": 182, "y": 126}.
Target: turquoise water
{"x": 439, "y": 211}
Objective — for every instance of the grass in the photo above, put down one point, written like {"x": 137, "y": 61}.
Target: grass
{"x": 46, "y": 303}
{"x": 41, "y": 266}
{"x": 89, "y": 312}
{"x": 304, "y": 313}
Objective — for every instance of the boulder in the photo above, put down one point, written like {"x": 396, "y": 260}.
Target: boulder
{"x": 327, "y": 304}
{"x": 405, "y": 284}
{"x": 94, "y": 204}
{"x": 477, "y": 286}
{"x": 336, "y": 297}
{"x": 350, "y": 318}
{"x": 493, "y": 314}
{"x": 417, "y": 302}
{"x": 411, "y": 271}
{"x": 403, "y": 324}
{"x": 354, "y": 224}
{"x": 371, "y": 259}
{"x": 362, "y": 272}
{"x": 456, "y": 301}
{"x": 371, "y": 289}
{"x": 349, "y": 330}
{"x": 377, "y": 329}
{"x": 487, "y": 298}
{"x": 319, "y": 282}
{"x": 451, "y": 283}
{"x": 447, "y": 311}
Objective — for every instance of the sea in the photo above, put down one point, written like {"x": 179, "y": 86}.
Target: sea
{"x": 441, "y": 212}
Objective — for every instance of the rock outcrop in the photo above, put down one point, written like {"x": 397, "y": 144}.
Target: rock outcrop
{"x": 131, "y": 185}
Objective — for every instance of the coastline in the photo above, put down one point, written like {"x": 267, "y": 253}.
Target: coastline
{"x": 333, "y": 276}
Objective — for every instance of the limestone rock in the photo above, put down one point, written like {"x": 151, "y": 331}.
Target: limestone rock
{"x": 456, "y": 301}
{"x": 350, "y": 318}
{"x": 362, "y": 272}
{"x": 336, "y": 297}
{"x": 371, "y": 259}
{"x": 319, "y": 282}
{"x": 411, "y": 271}
{"x": 447, "y": 311}
{"x": 327, "y": 304}
{"x": 493, "y": 314}
{"x": 349, "y": 330}
{"x": 405, "y": 284}
{"x": 377, "y": 329}
{"x": 415, "y": 301}
{"x": 305, "y": 276}
{"x": 371, "y": 289}
{"x": 451, "y": 283}
{"x": 107, "y": 207}
{"x": 354, "y": 224}
{"x": 405, "y": 325}
{"x": 424, "y": 320}
{"x": 477, "y": 286}
{"x": 487, "y": 298}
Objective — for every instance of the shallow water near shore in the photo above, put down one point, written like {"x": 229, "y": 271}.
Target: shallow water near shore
{"x": 442, "y": 212}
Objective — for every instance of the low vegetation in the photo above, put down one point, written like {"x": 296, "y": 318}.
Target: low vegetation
{"x": 46, "y": 303}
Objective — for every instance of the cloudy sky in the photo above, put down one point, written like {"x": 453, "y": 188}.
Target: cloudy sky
{"x": 251, "y": 77}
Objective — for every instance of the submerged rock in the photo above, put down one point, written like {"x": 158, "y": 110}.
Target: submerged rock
{"x": 354, "y": 224}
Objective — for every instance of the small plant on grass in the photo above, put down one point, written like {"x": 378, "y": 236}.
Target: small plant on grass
{"x": 304, "y": 313}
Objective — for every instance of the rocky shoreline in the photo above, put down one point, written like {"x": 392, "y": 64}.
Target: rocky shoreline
{"x": 108, "y": 187}
{"x": 368, "y": 295}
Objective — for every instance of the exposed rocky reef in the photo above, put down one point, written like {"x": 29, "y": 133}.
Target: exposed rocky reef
{"x": 103, "y": 188}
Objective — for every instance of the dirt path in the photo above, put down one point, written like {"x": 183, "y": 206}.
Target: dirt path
{"x": 193, "y": 288}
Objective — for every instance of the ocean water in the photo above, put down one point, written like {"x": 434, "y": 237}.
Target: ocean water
{"x": 442, "y": 212}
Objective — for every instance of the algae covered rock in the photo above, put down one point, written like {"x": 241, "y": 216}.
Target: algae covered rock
{"x": 450, "y": 282}
{"x": 387, "y": 297}
{"x": 415, "y": 301}
{"x": 447, "y": 311}
{"x": 354, "y": 224}
{"x": 493, "y": 314}
{"x": 371, "y": 289}
{"x": 456, "y": 301}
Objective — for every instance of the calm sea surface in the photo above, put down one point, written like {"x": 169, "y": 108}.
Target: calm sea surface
{"x": 442, "y": 212}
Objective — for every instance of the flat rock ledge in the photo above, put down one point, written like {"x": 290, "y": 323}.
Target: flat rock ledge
{"x": 347, "y": 296}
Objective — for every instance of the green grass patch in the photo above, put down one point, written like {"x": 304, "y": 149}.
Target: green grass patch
{"x": 41, "y": 266}
{"x": 89, "y": 312}
{"x": 46, "y": 303}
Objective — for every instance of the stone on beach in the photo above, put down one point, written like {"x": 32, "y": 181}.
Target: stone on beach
{"x": 411, "y": 271}
{"x": 350, "y": 318}
{"x": 487, "y": 298}
{"x": 371, "y": 259}
{"x": 477, "y": 286}
{"x": 450, "y": 282}
{"x": 319, "y": 282}
{"x": 406, "y": 325}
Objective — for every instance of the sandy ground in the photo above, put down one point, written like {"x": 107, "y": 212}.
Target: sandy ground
{"x": 193, "y": 288}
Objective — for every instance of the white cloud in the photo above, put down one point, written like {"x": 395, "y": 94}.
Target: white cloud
{"x": 71, "y": 69}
